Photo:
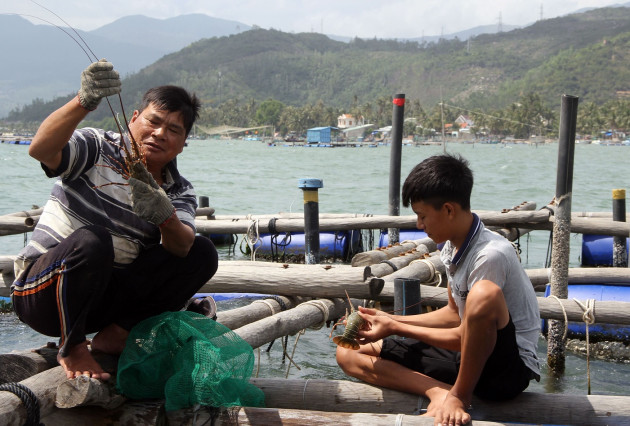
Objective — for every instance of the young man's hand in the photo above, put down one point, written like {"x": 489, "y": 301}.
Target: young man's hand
{"x": 376, "y": 326}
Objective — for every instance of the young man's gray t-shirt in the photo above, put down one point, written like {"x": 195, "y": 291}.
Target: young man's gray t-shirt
{"x": 488, "y": 256}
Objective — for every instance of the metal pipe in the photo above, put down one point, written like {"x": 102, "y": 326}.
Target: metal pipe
{"x": 394, "y": 164}
{"x": 311, "y": 218}
{"x": 407, "y": 296}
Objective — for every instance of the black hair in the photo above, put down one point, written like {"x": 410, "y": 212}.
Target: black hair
{"x": 439, "y": 179}
{"x": 174, "y": 99}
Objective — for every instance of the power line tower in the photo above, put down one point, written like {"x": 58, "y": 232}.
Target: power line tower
{"x": 500, "y": 26}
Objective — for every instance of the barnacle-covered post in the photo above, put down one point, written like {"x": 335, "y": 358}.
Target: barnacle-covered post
{"x": 311, "y": 218}
{"x": 562, "y": 229}
{"x": 620, "y": 255}
{"x": 394, "y": 164}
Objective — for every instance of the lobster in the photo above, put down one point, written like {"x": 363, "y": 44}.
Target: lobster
{"x": 354, "y": 322}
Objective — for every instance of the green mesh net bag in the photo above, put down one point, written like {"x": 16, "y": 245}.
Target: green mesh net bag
{"x": 187, "y": 359}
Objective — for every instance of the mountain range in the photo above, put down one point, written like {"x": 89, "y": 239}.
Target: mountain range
{"x": 42, "y": 61}
{"x": 585, "y": 54}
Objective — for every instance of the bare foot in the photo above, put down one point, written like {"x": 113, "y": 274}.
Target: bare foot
{"x": 80, "y": 362}
{"x": 452, "y": 412}
{"x": 110, "y": 340}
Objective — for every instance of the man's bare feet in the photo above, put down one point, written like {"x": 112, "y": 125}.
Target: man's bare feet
{"x": 110, "y": 340}
{"x": 80, "y": 362}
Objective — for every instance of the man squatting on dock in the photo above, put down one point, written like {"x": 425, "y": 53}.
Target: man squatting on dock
{"x": 107, "y": 252}
{"x": 484, "y": 340}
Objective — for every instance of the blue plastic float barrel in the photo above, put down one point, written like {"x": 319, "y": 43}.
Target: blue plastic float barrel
{"x": 600, "y": 292}
{"x": 597, "y": 250}
{"x": 404, "y": 235}
{"x": 331, "y": 244}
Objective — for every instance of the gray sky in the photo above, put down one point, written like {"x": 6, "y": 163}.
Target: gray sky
{"x": 361, "y": 18}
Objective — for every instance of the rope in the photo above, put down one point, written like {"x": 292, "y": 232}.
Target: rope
{"x": 304, "y": 394}
{"x": 253, "y": 236}
{"x": 283, "y": 307}
{"x": 391, "y": 264}
{"x": 436, "y": 277}
{"x": 28, "y": 398}
{"x": 323, "y": 308}
{"x": 271, "y": 308}
{"x": 588, "y": 316}
{"x": 566, "y": 320}
{"x": 325, "y": 312}
{"x": 399, "y": 419}
{"x": 257, "y": 363}
{"x": 297, "y": 338}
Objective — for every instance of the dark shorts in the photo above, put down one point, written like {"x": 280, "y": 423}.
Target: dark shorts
{"x": 503, "y": 377}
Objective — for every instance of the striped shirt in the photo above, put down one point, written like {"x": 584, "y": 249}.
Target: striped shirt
{"x": 91, "y": 190}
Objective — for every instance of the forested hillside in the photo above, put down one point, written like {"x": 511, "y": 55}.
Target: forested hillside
{"x": 585, "y": 54}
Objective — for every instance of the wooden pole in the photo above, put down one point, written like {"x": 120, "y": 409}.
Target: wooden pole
{"x": 371, "y": 257}
{"x": 529, "y": 407}
{"x": 308, "y": 314}
{"x": 531, "y": 220}
{"x": 562, "y": 230}
{"x": 257, "y": 310}
{"x": 393, "y": 233}
{"x": 620, "y": 254}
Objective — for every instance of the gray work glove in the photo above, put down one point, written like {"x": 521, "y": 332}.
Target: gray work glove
{"x": 148, "y": 200}
{"x": 98, "y": 81}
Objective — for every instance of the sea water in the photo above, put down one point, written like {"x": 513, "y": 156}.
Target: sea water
{"x": 250, "y": 177}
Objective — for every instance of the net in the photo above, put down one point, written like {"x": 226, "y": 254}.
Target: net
{"x": 187, "y": 359}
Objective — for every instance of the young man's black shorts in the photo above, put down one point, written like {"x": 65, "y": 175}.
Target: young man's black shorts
{"x": 504, "y": 376}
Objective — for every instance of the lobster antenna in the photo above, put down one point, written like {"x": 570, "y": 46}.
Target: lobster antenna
{"x": 349, "y": 302}
{"x": 69, "y": 26}
{"x": 134, "y": 144}
{"x": 54, "y": 25}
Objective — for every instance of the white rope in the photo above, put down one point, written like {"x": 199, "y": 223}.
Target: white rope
{"x": 304, "y": 394}
{"x": 436, "y": 276}
{"x": 271, "y": 308}
{"x": 588, "y": 316}
{"x": 399, "y": 419}
{"x": 252, "y": 237}
{"x": 566, "y": 320}
{"x": 297, "y": 338}
{"x": 323, "y": 308}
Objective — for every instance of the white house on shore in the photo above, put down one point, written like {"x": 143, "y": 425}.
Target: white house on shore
{"x": 348, "y": 120}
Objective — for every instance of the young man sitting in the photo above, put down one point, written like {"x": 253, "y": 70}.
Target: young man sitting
{"x": 484, "y": 340}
